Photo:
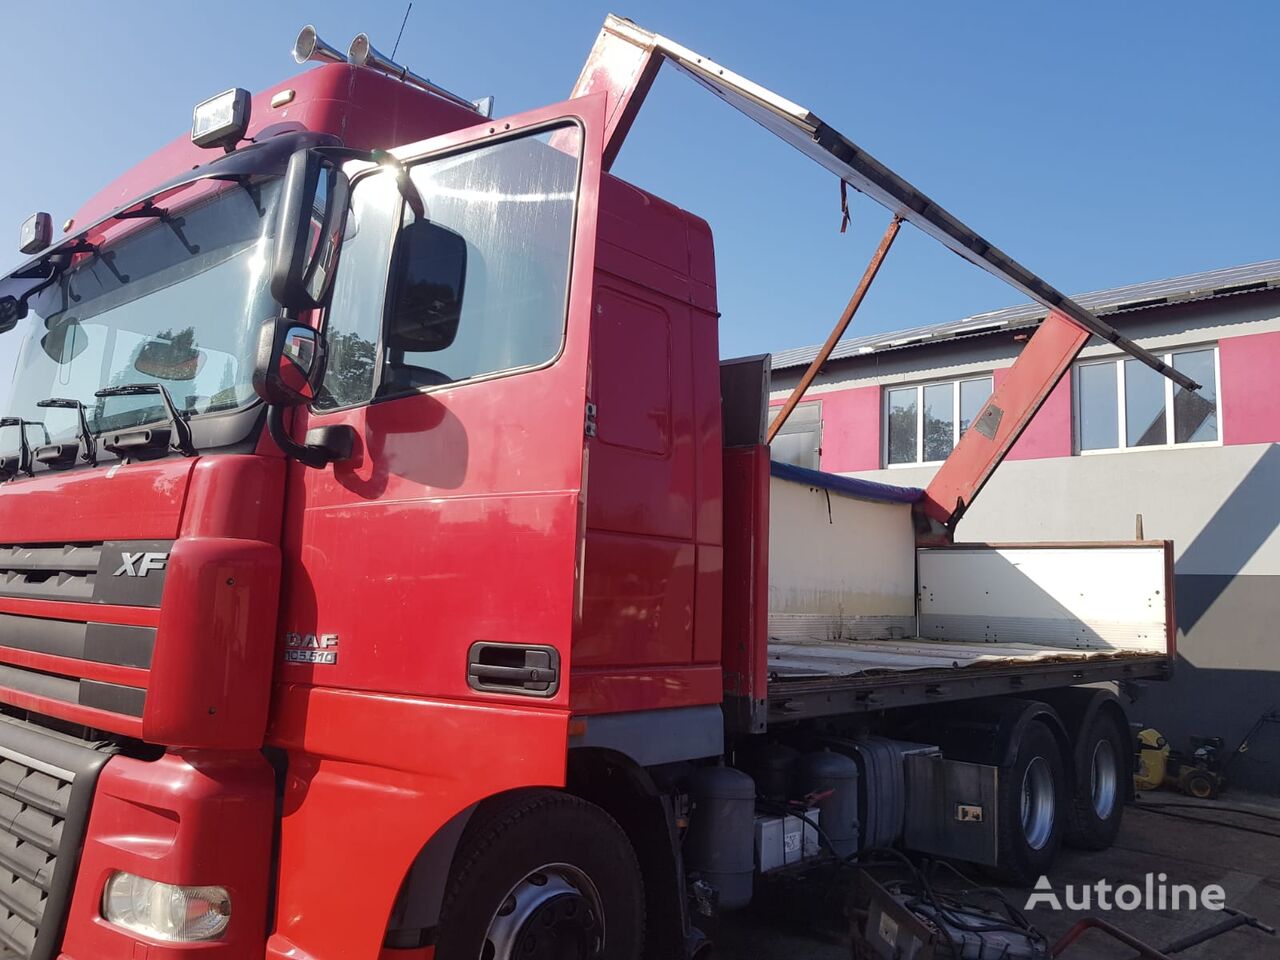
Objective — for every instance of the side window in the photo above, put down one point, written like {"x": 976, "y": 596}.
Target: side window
{"x": 1121, "y": 404}
{"x": 921, "y": 423}
{"x": 476, "y": 286}
{"x": 479, "y": 285}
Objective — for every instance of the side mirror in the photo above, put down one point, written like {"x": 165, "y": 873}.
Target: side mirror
{"x": 289, "y": 367}
{"x": 428, "y": 286}
{"x": 290, "y": 363}
{"x": 311, "y": 219}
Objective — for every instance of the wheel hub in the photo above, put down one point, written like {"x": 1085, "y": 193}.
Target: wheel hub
{"x": 1103, "y": 779}
{"x": 1038, "y": 803}
{"x": 552, "y": 914}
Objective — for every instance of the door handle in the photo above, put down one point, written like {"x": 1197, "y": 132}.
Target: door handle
{"x": 521, "y": 669}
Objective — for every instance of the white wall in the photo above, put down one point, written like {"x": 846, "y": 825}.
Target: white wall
{"x": 1219, "y": 505}
{"x": 839, "y": 566}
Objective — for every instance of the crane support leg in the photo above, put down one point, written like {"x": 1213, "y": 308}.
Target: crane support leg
{"x": 873, "y": 267}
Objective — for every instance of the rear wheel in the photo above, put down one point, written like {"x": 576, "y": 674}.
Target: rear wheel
{"x": 1097, "y": 801}
{"x": 545, "y": 876}
{"x": 1032, "y": 798}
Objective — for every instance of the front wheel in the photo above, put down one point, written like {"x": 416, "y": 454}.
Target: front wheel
{"x": 545, "y": 876}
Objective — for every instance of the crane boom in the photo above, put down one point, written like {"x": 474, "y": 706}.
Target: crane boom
{"x": 623, "y": 64}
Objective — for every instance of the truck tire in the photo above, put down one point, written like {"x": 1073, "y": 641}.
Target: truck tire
{"x": 1097, "y": 801}
{"x": 1032, "y": 800}
{"x": 546, "y": 875}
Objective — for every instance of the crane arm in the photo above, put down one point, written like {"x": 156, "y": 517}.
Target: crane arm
{"x": 623, "y": 64}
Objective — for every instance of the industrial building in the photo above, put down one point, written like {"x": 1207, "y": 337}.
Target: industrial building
{"x": 1116, "y": 451}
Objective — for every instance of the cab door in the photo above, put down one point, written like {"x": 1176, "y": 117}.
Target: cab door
{"x": 440, "y": 561}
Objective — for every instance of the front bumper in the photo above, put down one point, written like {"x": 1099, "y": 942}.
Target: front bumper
{"x": 72, "y": 813}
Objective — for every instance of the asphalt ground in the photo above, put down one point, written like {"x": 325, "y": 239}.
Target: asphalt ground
{"x": 809, "y": 919}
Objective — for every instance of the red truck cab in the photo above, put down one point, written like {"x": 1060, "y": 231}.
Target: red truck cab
{"x": 356, "y": 625}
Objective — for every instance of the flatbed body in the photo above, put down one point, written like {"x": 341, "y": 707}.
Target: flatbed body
{"x": 820, "y": 678}
{"x": 849, "y": 613}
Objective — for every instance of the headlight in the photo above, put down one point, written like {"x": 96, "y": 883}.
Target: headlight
{"x": 165, "y": 911}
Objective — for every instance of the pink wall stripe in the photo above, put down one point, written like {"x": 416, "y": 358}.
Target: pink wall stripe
{"x": 850, "y": 428}
{"x": 1250, "y": 400}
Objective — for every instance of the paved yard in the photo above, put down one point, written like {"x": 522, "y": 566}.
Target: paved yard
{"x": 1246, "y": 865}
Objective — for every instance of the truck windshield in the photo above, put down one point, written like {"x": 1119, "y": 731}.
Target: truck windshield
{"x": 177, "y": 301}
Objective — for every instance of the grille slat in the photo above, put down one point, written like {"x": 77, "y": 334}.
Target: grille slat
{"x": 46, "y": 783}
{"x": 17, "y": 936}
{"x": 56, "y": 572}
{"x": 34, "y": 788}
{"x": 23, "y": 898}
{"x": 27, "y": 860}
{"x": 30, "y": 824}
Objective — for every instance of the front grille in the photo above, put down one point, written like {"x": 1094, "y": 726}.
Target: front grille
{"x": 46, "y": 785}
{"x": 47, "y": 656}
{"x": 85, "y": 572}
{"x": 60, "y": 572}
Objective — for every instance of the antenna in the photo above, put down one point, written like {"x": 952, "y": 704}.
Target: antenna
{"x": 407, "y": 11}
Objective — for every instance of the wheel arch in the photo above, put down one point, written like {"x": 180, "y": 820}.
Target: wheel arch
{"x": 627, "y": 792}
{"x": 1079, "y": 707}
{"x": 606, "y": 778}
{"x": 416, "y": 910}
{"x": 989, "y": 730}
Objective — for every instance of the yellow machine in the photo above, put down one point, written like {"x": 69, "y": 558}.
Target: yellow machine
{"x": 1153, "y": 760}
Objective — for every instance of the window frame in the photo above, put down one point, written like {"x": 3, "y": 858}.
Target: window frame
{"x": 458, "y": 149}
{"x": 1122, "y": 432}
{"x": 920, "y": 387}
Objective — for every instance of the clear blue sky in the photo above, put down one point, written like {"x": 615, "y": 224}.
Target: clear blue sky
{"x": 1100, "y": 143}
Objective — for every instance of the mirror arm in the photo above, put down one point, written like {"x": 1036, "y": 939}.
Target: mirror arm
{"x": 404, "y": 183}
{"x": 324, "y": 445}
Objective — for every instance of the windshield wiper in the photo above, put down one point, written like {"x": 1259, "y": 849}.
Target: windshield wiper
{"x": 8, "y": 467}
{"x": 149, "y": 211}
{"x": 89, "y": 451}
{"x": 180, "y": 429}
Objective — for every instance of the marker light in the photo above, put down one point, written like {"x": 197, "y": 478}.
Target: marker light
{"x": 36, "y": 233}
{"x": 221, "y": 121}
{"x": 164, "y": 911}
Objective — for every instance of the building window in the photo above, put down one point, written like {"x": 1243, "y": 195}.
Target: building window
{"x": 923, "y": 423}
{"x": 1123, "y": 404}
{"x": 799, "y": 442}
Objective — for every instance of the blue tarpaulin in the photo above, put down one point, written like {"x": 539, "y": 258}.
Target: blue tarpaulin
{"x": 865, "y": 489}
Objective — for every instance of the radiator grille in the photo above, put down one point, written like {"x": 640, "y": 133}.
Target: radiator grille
{"x": 46, "y": 783}
{"x": 85, "y": 572}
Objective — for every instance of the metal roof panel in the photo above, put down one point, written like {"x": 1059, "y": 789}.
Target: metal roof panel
{"x": 1210, "y": 284}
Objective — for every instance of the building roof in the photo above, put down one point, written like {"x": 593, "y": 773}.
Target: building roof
{"x": 1138, "y": 296}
